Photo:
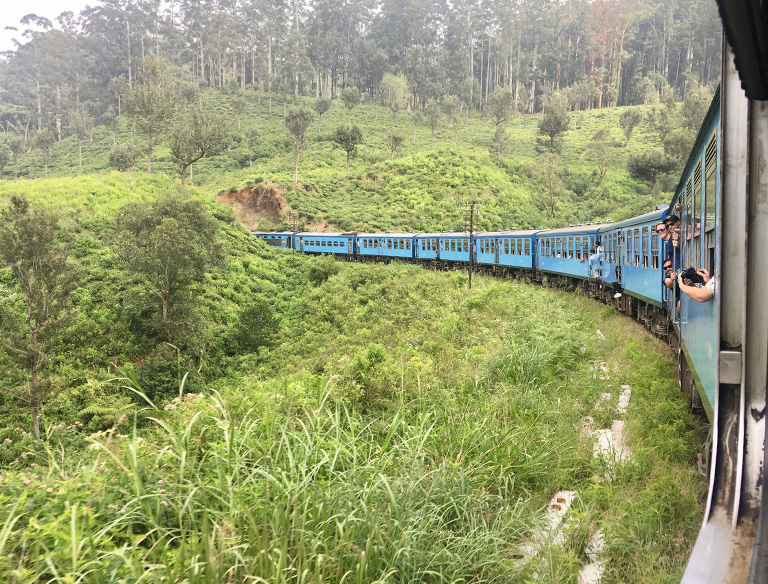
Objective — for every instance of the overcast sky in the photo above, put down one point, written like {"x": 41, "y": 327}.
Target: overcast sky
{"x": 11, "y": 11}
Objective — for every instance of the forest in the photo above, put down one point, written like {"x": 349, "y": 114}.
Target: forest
{"x": 600, "y": 54}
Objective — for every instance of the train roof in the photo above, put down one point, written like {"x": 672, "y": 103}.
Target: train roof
{"x": 323, "y": 234}
{"x": 745, "y": 25}
{"x": 385, "y": 234}
{"x": 574, "y": 229}
{"x": 271, "y": 232}
{"x": 510, "y": 232}
{"x": 658, "y": 213}
{"x": 443, "y": 234}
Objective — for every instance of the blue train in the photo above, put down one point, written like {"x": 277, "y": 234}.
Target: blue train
{"x": 721, "y": 202}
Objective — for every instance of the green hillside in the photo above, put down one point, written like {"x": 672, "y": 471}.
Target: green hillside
{"x": 419, "y": 190}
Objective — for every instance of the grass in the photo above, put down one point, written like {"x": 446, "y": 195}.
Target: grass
{"x": 427, "y": 456}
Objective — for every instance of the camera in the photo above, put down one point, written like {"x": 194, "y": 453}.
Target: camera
{"x": 691, "y": 275}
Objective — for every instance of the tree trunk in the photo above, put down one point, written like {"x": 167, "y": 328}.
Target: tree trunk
{"x": 128, "y": 41}
{"x": 433, "y": 139}
{"x": 80, "y": 151}
{"x": 183, "y": 177}
{"x": 36, "y": 421}
{"x": 149, "y": 155}
{"x": 296, "y": 170}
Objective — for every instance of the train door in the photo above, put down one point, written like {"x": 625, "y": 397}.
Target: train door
{"x": 496, "y": 254}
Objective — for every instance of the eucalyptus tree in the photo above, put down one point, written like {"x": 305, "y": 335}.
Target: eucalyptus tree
{"x": 451, "y": 108}
{"x": 648, "y": 166}
{"x": 630, "y": 118}
{"x": 298, "y": 120}
{"x": 348, "y": 139}
{"x": 80, "y": 124}
{"x": 321, "y": 105}
{"x": 5, "y": 157}
{"x": 297, "y": 66}
{"x": 555, "y": 122}
{"x": 151, "y": 101}
{"x": 394, "y": 141}
{"x": 500, "y": 106}
{"x": 393, "y": 93}
{"x": 252, "y": 139}
{"x": 238, "y": 106}
{"x": 44, "y": 140}
{"x": 432, "y": 115}
{"x": 37, "y": 262}
{"x": 167, "y": 247}
{"x": 196, "y": 131}
{"x": 351, "y": 98}
{"x": 16, "y": 146}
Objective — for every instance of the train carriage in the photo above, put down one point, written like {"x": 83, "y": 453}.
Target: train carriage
{"x": 443, "y": 247}
{"x": 507, "y": 249}
{"x": 326, "y": 243}
{"x": 279, "y": 239}
{"x": 695, "y": 203}
{"x": 385, "y": 245}
{"x": 565, "y": 251}
{"x": 633, "y": 255}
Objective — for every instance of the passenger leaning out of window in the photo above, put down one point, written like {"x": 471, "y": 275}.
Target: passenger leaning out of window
{"x": 697, "y": 284}
{"x": 663, "y": 232}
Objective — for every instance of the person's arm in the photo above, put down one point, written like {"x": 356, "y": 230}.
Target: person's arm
{"x": 698, "y": 294}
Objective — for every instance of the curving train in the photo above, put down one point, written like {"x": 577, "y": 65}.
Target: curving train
{"x": 721, "y": 201}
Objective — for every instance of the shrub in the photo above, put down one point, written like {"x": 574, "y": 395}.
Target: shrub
{"x": 122, "y": 157}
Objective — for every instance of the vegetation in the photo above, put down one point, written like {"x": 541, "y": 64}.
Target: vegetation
{"x": 205, "y": 408}
{"x": 392, "y": 425}
{"x": 38, "y": 266}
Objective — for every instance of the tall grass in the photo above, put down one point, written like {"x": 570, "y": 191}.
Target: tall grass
{"x": 321, "y": 495}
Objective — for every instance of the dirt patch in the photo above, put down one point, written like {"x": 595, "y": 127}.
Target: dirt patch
{"x": 251, "y": 204}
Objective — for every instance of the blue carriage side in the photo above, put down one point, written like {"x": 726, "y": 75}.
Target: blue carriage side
{"x": 509, "y": 249}
{"x": 566, "y": 251}
{"x": 279, "y": 239}
{"x": 385, "y": 245}
{"x": 448, "y": 247}
{"x": 696, "y": 204}
{"x": 320, "y": 243}
{"x": 633, "y": 255}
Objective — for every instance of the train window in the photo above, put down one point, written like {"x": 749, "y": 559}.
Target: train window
{"x": 654, "y": 251}
{"x": 402, "y": 243}
{"x": 389, "y": 244}
{"x": 685, "y": 234}
{"x": 527, "y": 247}
{"x": 696, "y": 217}
{"x": 645, "y": 247}
{"x": 493, "y": 246}
{"x": 506, "y": 246}
{"x": 710, "y": 190}
{"x": 626, "y": 246}
{"x": 637, "y": 247}
{"x": 408, "y": 244}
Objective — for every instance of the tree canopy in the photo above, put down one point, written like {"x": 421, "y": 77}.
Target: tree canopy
{"x": 167, "y": 247}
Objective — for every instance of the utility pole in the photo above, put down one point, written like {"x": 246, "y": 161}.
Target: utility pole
{"x": 295, "y": 225}
{"x": 469, "y": 227}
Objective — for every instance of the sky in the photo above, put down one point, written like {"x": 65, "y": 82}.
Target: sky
{"x": 11, "y": 11}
